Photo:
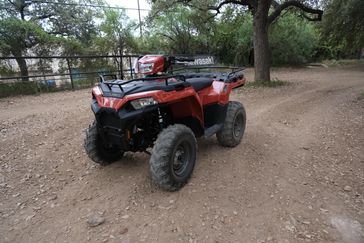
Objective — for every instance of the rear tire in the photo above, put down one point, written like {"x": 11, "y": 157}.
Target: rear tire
{"x": 173, "y": 157}
{"x": 233, "y": 128}
{"x": 97, "y": 150}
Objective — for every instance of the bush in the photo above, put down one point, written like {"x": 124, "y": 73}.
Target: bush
{"x": 83, "y": 83}
{"x": 18, "y": 88}
{"x": 292, "y": 40}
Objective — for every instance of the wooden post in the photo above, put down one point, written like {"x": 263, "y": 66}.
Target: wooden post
{"x": 70, "y": 72}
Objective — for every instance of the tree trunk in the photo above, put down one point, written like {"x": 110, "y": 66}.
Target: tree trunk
{"x": 260, "y": 41}
{"x": 359, "y": 53}
{"x": 22, "y": 65}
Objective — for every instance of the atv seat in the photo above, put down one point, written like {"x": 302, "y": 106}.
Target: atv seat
{"x": 200, "y": 83}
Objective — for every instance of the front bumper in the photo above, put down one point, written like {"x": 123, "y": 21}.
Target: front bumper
{"x": 115, "y": 126}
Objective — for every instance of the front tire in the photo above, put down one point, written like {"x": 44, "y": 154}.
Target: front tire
{"x": 233, "y": 128}
{"x": 97, "y": 150}
{"x": 173, "y": 157}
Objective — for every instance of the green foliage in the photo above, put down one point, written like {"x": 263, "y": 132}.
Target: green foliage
{"x": 37, "y": 27}
{"x": 343, "y": 26}
{"x": 180, "y": 30}
{"x": 6, "y": 69}
{"x": 83, "y": 83}
{"x": 233, "y": 38}
{"x": 34, "y": 87}
{"x": 18, "y": 88}
{"x": 17, "y": 35}
{"x": 292, "y": 40}
{"x": 115, "y": 33}
{"x": 229, "y": 37}
{"x": 26, "y": 24}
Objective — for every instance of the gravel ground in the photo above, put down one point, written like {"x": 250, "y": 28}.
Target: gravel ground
{"x": 297, "y": 176}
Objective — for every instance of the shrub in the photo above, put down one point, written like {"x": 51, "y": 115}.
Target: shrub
{"x": 18, "y": 88}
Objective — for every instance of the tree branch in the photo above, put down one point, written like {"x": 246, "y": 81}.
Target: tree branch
{"x": 44, "y": 16}
{"x": 297, "y": 4}
{"x": 241, "y": 2}
{"x": 167, "y": 36}
{"x": 11, "y": 3}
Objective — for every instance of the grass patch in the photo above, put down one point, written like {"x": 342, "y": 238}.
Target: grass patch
{"x": 83, "y": 83}
{"x": 270, "y": 84}
{"x": 343, "y": 62}
{"x": 18, "y": 88}
{"x": 33, "y": 87}
{"x": 361, "y": 96}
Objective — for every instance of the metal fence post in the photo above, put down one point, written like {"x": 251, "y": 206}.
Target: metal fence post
{"x": 131, "y": 68}
{"x": 70, "y": 72}
{"x": 45, "y": 79}
{"x": 121, "y": 71}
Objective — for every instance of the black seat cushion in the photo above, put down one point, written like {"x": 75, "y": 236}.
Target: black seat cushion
{"x": 140, "y": 86}
{"x": 200, "y": 83}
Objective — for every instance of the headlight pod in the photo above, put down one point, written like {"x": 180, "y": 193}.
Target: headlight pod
{"x": 146, "y": 67}
{"x": 143, "y": 102}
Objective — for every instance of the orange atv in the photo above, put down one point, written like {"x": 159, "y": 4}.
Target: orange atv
{"x": 166, "y": 111}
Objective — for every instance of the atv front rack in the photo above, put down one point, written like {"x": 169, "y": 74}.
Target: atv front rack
{"x": 102, "y": 79}
{"x": 107, "y": 86}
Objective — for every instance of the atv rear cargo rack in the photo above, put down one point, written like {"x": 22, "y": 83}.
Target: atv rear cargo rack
{"x": 228, "y": 77}
{"x": 233, "y": 69}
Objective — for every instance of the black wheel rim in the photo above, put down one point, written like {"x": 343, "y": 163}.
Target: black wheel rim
{"x": 181, "y": 159}
{"x": 238, "y": 125}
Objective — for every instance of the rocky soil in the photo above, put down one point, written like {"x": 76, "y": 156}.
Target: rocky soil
{"x": 297, "y": 176}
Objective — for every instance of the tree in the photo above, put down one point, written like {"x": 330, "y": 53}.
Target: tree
{"x": 233, "y": 37}
{"x": 264, "y": 12}
{"x": 343, "y": 25}
{"x": 17, "y": 36}
{"x": 180, "y": 30}
{"x": 115, "y": 36}
{"x": 292, "y": 40}
{"x": 25, "y": 24}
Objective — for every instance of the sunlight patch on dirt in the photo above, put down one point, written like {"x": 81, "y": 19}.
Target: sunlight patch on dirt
{"x": 350, "y": 230}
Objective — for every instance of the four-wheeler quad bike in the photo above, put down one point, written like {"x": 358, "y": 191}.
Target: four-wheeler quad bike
{"x": 167, "y": 112}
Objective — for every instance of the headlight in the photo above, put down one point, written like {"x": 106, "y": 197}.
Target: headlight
{"x": 146, "y": 67}
{"x": 140, "y": 103}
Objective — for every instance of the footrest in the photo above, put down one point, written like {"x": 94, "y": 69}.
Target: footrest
{"x": 212, "y": 130}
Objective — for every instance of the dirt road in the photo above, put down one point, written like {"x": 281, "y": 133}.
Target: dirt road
{"x": 297, "y": 176}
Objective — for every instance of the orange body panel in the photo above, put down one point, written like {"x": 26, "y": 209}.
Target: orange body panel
{"x": 183, "y": 103}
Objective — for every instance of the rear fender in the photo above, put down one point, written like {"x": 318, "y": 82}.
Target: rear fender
{"x": 218, "y": 92}
{"x": 189, "y": 106}
{"x": 238, "y": 83}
